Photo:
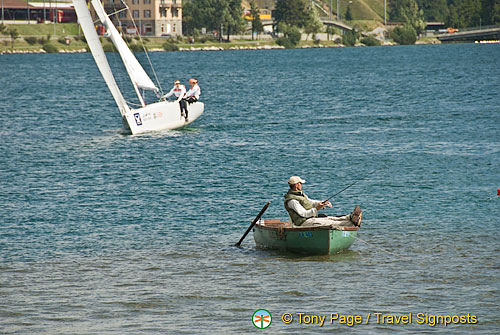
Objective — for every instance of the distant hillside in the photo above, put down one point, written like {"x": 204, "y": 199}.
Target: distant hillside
{"x": 360, "y": 9}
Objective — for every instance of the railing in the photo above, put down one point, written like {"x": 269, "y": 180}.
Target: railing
{"x": 468, "y": 29}
{"x": 478, "y": 28}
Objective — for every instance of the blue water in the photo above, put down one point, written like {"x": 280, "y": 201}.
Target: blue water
{"x": 106, "y": 233}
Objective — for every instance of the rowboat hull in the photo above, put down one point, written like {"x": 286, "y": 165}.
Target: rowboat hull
{"x": 279, "y": 235}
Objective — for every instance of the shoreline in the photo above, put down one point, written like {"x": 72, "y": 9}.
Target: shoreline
{"x": 191, "y": 49}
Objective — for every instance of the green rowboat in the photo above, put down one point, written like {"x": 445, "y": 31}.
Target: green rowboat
{"x": 280, "y": 235}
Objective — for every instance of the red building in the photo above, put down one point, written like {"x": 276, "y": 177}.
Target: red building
{"x": 22, "y": 10}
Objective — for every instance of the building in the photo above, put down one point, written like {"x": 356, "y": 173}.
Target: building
{"x": 22, "y": 11}
{"x": 151, "y": 17}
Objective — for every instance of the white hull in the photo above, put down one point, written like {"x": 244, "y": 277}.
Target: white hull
{"x": 161, "y": 115}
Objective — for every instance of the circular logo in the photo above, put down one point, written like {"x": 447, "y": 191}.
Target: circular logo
{"x": 262, "y": 319}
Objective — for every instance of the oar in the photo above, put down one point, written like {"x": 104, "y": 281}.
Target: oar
{"x": 253, "y": 223}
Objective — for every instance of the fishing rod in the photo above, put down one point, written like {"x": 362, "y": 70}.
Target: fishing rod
{"x": 345, "y": 188}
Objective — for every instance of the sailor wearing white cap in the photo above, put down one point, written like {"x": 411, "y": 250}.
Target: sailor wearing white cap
{"x": 178, "y": 90}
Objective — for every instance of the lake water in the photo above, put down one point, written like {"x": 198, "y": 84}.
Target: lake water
{"x": 106, "y": 233}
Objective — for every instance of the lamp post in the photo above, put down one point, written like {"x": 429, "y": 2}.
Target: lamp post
{"x": 2, "y": 11}
{"x": 55, "y": 17}
{"x": 385, "y": 12}
{"x": 338, "y": 10}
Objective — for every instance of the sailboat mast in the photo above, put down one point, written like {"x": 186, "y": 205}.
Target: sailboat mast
{"x": 139, "y": 95}
{"x": 139, "y": 77}
{"x": 95, "y": 46}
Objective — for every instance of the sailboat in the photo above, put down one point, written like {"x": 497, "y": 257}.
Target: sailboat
{"x": 156, "y": 116}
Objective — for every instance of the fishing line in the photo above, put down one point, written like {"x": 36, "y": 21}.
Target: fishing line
{"x": 348, "y": 186}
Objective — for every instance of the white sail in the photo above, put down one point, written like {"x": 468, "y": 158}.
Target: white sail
{"x": 99, "y": 56}
{"x": 139, "y": 77}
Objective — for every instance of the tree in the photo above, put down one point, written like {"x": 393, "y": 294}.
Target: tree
{"x": 465, "y": 13}
{"x": 291, "y": 36}
{"x": 3, "y": 28}
{"x": 350, "y": 37}
{"x": 235, "y": 22}
{"x": 313, "y": 24}
{"x": 348, "y": 14}
{"x": 495, "y": 14}
{"x": 330, "y": 30}
{"x": 434, "y": 10}
{"x": 257, "y": 26}
{"x": 408, "y": 11}
{"x": 404, "y": 35}
{"x": 291, "y": 12}
{"x": 14, "y": 34}
{"x": 214, "y": 15}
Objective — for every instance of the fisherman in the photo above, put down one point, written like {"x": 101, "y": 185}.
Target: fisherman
{"x": 190, "y": 97}
{"x": 304, "y": 211}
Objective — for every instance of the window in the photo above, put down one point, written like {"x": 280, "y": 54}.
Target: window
{"x": 135, "y": 2}
{"x": 135, "y": 14}
{"x": 173, "y": 28}
{"x": 122, "y": 14}
{"x": 175, "y": 12}
{"x": 147, "y": 2}
{"x": 163, "y": 12}
{"x": 147, "y": 13}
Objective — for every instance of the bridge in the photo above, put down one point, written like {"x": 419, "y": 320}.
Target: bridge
{"x": 471, "y": 34}
{"x": 326, "y": 21}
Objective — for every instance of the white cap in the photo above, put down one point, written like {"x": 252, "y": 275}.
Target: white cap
{"x": 295, "y": 179}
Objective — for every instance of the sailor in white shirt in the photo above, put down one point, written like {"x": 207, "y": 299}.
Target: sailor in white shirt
{"x": 191, "y": 96}
{"x": 178, "y": 90}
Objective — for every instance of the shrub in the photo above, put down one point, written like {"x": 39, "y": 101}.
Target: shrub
{"x": 136, "y": 48}
{"x": 127, "y": 39}
{"x": 370, "y": 41}
{"x": 206, "y": 38}
{"x": 294, "y": 35}
{"x": 170, "y": 46}
{"x": 30, "y": 40}
{"x": 284, "y": 42}
{"x": 50, "y": 48}
{"x": 109, "y": 48}
{"x": 349, "y": 38}
{"x": 41, "y": 41}
{"x": 61, "y": 40}
{"x": 291, "y": 36}
{"x": 404, "y": 35}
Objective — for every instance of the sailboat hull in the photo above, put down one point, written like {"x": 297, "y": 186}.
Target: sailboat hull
{"x": 161, "y": 115}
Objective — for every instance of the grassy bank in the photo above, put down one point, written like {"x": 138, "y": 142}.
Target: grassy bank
{"x": 42, "y": 29}
{"x": 67, "y": 38}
